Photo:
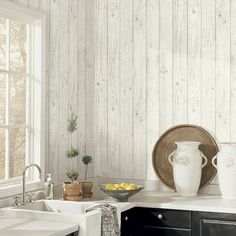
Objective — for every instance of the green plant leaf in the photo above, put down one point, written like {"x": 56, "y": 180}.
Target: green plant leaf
{"x": 87, "y": 159}
{"x": 72, "y": 175}
{"x": 72, "y": 152}
{"x": 72, "y": 124}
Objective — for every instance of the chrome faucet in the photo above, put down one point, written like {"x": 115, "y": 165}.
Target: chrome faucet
{"x": 25, "y": 169}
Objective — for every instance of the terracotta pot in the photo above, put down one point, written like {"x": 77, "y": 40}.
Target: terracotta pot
{"x": 72, "y": 191}
{"x": 87, "y": 189}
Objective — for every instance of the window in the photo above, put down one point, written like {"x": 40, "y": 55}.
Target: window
{"x": 14, "y": 107}
{"x": 21, "y": 90}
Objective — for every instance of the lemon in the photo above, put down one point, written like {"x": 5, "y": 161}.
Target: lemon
{"x": 120, "y": 188}
{"x": 131, "y": 186}
{"x": 109, "y": 186}
{"x": 116, "y": 186}
{"x": 123, "y": 185}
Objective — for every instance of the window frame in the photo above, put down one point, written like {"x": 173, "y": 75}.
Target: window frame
{"x": 35, "y": 82}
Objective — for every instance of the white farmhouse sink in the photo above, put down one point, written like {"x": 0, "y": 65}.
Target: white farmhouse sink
{"x": 66, "y": 211}
{"x": 58, "y": 206}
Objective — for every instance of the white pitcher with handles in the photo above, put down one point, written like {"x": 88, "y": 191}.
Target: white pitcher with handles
{"x": 187, "y": 167}
{"x": 226, "y": 168}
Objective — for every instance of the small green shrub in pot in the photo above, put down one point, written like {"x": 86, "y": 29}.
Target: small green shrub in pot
{"x": 87, "y": 186}
{"x": 72, "y": 188}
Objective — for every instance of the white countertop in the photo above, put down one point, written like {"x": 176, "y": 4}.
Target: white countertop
{"x": 152, "y": 199}
{"x": 170, "y": 200}
{"x": 36, "y": 227}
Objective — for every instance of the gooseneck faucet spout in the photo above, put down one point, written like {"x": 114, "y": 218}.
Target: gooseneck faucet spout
{"x": 23, "y": 176}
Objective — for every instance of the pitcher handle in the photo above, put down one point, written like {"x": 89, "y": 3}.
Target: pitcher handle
{"x": 170, "y": 157}
{"x": 205, "y": 159}
{"x": 213, "y": 161}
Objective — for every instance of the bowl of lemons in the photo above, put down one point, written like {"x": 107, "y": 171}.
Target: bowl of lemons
{"x": 121, "y": 192}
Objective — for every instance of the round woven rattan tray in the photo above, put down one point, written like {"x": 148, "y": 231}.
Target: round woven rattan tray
{"x": 166, "y": 145}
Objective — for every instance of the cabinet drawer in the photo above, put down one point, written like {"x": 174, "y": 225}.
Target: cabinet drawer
{"x": 164, "y": 218}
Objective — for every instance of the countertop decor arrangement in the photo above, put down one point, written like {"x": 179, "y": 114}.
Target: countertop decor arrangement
{"x": 166, "y": 145}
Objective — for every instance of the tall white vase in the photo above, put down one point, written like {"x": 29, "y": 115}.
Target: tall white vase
{"x": 226, "y": 168}
{"x": 187, "y": 167}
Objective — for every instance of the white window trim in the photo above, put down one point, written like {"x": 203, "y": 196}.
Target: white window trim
{"x": 37, "y": 22}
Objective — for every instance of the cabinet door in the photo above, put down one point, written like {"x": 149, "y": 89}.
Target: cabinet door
{"x": 217, "y": 228}
{"x": 128, "y": 221}
{"x": 161, "y": 231}
{"x": 213, "y": 224}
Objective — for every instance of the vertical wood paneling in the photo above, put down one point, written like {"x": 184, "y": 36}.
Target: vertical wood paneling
{"x": 165, "y": 65}
{"x": 126, "y": 85}
{"x": 33, "y": 4}
{"x": 208, "y": 65}
{"x": 81, "y": 83}
{"x": 90, "y": 30}
{"x": 223, "y": 70}
{"x": 139, "y": 89}
{"x": 54, "y": 92}
{"x": 101, "y": 88}
{"x": 63, "y": 88}
{"x": 151, "y": 71}
{"x": 113, "y": 89}
{"x": 44, "y": 6}
{"x": 153, "y": 81}
{"x": 180, "y": 74}
{"x": 194, "y": 62}
{"x": 179, "y": 62}
{"x": 233, "y": 71}
{"x": 73, "y": 68}
{"x": 23, "y": 2}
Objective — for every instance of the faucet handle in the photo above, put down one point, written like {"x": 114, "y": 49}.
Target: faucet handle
{"x": 30, "y": 196}
{"x": 17, "y": 200}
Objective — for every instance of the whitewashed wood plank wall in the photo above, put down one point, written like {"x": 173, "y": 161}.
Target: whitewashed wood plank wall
{"x": 160, "y": 63}
{"x": 69, "y": 79}
{"x": 153, "y": 64}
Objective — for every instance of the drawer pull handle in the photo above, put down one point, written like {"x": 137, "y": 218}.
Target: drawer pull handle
{"x": 159, "y": 216}
{"x": 126, "y": 218}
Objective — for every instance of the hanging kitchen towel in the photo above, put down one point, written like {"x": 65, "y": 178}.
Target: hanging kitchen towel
{"x": 110, "y": 225}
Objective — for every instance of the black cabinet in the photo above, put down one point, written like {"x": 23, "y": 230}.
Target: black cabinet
{"x": 161, "y": 222}
{"x": 128, "y": 222}
{"x": 74, "y": 234}
{"x": 213, "y": 224}
{"x": 156, "y": 231}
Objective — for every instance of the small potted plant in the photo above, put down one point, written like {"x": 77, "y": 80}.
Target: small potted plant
{"x": 86, "y": 186}
{"x": 72, "y": 188}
